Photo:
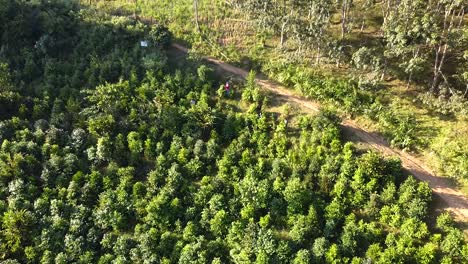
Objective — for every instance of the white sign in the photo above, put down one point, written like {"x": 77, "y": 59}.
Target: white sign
{"x": 144, "y": 43}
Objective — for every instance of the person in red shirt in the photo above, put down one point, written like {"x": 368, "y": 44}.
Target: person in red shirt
{"x": 227, "y": 88}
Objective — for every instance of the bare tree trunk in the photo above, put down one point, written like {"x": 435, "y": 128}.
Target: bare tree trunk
{"x": 386, "y": 8}
{"x": 283, "y": 28}
{"x": 282, "y": 34}
{"x": 436, "y": 72}
{"x": 441, "y": 52}
{"x": 135, "y": 10}
{"x": 409, "y": 80}
{"x": 195, "y": 7}
{"x": 382, "y": 77}
{"x": 344, "y": 17}
{"x": 364, "y": 9}
{"x": 317, "y": 61}
{"x": 318, "y": 46}
{"x": 411, "y": 72}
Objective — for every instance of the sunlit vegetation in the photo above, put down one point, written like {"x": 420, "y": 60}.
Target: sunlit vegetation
{"x": 112, "y": 152}
{"x": 404, "y": 61}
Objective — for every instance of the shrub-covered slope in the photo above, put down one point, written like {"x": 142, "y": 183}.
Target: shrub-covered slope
{"x": 111, "y": 153}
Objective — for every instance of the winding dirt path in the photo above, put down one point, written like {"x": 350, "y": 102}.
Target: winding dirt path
{"x": 450, "y": 199}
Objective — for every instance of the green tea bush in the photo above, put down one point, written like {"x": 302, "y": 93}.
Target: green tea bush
{"x": 450, "y": 152}
{"x": 401, "y": 130}
{"x": 456, "y": 104}
{"x": 352, "y": 97}
{"x": 345, "y": 93}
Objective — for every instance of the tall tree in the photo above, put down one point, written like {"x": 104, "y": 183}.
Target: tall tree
{"x": 345, "y": 7}
{"x": 450, "y": 15}
{"x": 311, "y": 24}
{"x": 275, "y": 15}
{"x": 415, "y": 28}
{"x": 407, "y": 33}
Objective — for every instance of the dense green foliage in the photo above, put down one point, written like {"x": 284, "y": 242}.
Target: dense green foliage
{"x": 408, "y": 39}
{"x": 353, "y": 97}
{"x": 357, "y": 50}
{"x": 113, "y": 153}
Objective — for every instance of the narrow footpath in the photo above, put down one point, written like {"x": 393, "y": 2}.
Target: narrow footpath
{"x": 450, "y": 199}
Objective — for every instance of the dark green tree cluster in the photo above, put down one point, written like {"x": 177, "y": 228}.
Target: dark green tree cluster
{"x": 109, "y": 154}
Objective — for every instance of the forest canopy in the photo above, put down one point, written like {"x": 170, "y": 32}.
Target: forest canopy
{"x": 399, "y": 67}
{"x": 115, "y": 152}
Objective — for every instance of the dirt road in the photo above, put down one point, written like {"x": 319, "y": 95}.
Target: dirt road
{"x": 450, "y": 199}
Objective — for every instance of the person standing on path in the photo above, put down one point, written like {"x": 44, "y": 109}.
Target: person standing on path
{"x": 227, "y": 88}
